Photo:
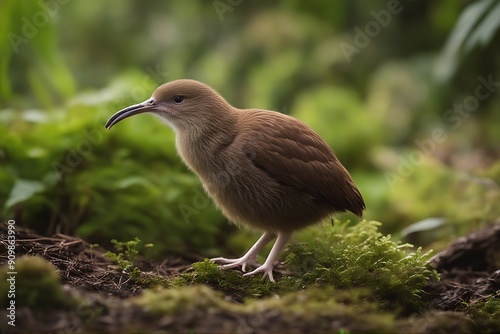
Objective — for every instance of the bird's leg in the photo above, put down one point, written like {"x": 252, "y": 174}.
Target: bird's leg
{"x": 249, "y": 257}
{"x": 267, "y": 267}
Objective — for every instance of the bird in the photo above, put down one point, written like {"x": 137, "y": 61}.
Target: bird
{"x": 263, "y": 169}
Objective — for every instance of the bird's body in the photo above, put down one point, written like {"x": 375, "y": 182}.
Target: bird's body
{"x": 292, "y": 185}
{"x": 263, "y": 169}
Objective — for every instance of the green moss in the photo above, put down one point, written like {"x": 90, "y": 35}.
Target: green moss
{"x": 486, "y": 314}
{"x": 126, "y": 253}
{"x": 125, "y": 256}
{"x": 350, "y": 307}
{"x": 183, "y": 299}
{"x": 348, "y": 257}
{"x": 437, "y": 322}
{"x": 37, "y": 284}
{"x": 148, "y": 279}
{"x": 232, "y": 282}
{"x": 325, "y": 308}
{"x": 342, "y": 257}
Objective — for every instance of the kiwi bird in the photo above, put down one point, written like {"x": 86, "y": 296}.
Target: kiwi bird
{"x": 264, "y": 169}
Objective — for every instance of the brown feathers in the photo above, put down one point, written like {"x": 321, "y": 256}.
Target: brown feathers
{"x": 263, "y": 169}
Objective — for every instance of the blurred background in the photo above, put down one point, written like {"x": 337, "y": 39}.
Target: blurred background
{"x": 405, "y": 92}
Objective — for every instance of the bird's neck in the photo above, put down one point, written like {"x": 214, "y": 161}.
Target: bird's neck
{"x": 200, "y": 146}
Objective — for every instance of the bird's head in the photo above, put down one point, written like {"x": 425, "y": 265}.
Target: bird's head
{"x": 183, "y": 104}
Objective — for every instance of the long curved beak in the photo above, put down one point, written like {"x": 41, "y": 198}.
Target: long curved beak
{"x": 148, "y": 105}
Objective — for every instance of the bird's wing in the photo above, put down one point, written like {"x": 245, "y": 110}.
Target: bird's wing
{"x": 294, "y": 155}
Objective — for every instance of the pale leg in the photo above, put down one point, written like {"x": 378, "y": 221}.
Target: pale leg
{"x": 249, "y": 258}
{"x": 267, "y": 267}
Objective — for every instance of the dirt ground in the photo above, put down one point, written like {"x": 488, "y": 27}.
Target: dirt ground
{"x": 469, "y": 270}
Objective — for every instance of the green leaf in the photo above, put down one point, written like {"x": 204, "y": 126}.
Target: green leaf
{"x": 134, "y": 180}
{"x": 22, "y": 191}
{"x": 476, "y": 25}
{"x": 485, "y": 30}
{"x": 428, "y": 224}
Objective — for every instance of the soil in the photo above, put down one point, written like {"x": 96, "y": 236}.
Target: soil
{"x": 469, "y": 270}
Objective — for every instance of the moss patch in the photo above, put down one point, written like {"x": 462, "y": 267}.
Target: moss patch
{"x": 340, "y": 256}
{"x": 232, "y": 282}
{"x": 464, "y": 301}
{"x": 486, "y": 314}
{"x": 37, "y": 284}
{"x": 323, "y": 309}
{"x": 356, "y": 256}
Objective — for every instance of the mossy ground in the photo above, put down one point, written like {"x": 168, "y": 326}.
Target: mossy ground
{"x": 37, "y": 284}
{"x": 340, "y": 256}
{"x": 326, "y": 284}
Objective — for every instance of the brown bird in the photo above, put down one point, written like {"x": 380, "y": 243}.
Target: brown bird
{"x": 263, "y": 169}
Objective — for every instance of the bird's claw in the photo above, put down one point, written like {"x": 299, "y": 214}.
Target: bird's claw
{"x": 233, "y": 263}
{"x": 243, "y": 262}
{"x": 268, "y": 271}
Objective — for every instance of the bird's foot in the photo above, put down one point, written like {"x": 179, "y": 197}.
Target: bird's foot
{"x": 232, "y": 263}
{"x": 266, "y": 269}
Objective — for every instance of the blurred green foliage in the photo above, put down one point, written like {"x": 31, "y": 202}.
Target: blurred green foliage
{"x": 66, "y": 66}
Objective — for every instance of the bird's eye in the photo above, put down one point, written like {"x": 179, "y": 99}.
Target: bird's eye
{"x": 178, "y": 99}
